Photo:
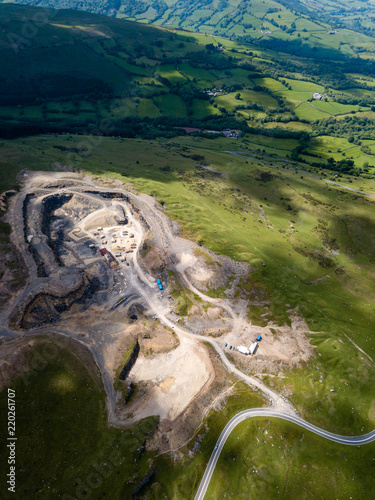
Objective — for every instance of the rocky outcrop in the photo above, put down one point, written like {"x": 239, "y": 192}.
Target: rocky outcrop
{"x": 144, "y": 484}
{"x": 131, "y": 362}
{"x": 47, "y": 308}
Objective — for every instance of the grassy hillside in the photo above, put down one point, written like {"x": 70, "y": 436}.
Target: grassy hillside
{"x": 269, "y": 459}
{"x": 356, "y": 15}
{"x": 298, "y": 25}
{"x": 316, "y": 241}
{"x": 62, "y": 436}
{"x": 78, "y": 72}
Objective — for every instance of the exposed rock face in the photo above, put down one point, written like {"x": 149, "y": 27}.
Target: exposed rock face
{"x": 137, "y": 492}
{"x": 47, "y": 307}
{"x": 129, "y": 365}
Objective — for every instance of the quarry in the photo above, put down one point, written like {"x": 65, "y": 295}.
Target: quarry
{"x": 106, "y": 268}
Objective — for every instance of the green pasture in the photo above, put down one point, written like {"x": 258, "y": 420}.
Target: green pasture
{"x": 270, "y": 83}
{"x": 200, "y": 74}
{"x": 308, "y": 111}
{"x": 304, "y": 86}
{"x": 332, "y": 235}
{"x": 271, "y": 142}
{"x": 292, "y": 125}
{"x": 170, "y": 73}
{"x": 168, "y": 102}
{"x": 335, "y": 108}
{"x": 146, "y": 107}
{"x": 229, "y": 101}
{"x": 269, "y": 458}
{"x": 202, "y": 109}
{"x": 340, "y": 148}
{"x": 62, "y": 433}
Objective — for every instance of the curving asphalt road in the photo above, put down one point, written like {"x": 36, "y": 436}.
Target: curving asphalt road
{"x": 265, "y": 412}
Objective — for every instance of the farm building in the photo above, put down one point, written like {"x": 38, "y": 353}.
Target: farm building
{"x": 233, "y": 134}
{"x": 317, "y": 96}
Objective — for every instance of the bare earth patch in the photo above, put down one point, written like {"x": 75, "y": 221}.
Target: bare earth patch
{"x": 281, "y": 346}
{"x": 177, "y": 378}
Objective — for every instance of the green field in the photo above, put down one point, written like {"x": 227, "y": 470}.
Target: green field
{"x": 228, "y": 222}
{"x": 147, "y": 107}
{"x": 308, "y": 111}
{"x": 62, "y": 433}
{"x": 203, "y": 108}
{"x": 170, "y": 73}
{"x": 229, "y": 101}
{"x": 151, "y": 75}
{"x": 309, "y": 244}
{"x": 167, "y": 102}
{"x": 266, "y": 458}
{"x": 269, "y": 83}
{"x": 335, "y": 108}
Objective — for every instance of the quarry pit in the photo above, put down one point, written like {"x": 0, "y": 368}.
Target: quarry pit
{"x": 106, "y": 267}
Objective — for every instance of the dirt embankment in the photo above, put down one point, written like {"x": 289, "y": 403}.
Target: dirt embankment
{"x": 174, "y": 380}
{"x": 152, "y": 259}
{"x": 206, "y": 270}
{"x": 13, "y": 274}
{"x": 157, "y": 339}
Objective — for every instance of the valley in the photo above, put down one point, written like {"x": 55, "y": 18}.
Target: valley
{"x": 187, "y": 249}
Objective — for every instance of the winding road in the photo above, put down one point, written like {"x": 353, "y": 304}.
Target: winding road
{"x": 265, "y": 412}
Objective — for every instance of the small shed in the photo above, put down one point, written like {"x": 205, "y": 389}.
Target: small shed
{"x": 259, "y": 338}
